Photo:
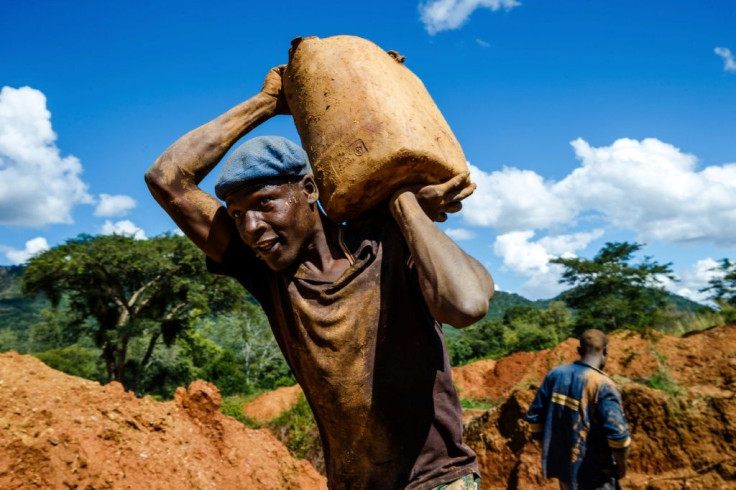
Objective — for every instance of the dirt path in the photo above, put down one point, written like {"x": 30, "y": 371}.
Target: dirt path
{"x": 271, "y": 404}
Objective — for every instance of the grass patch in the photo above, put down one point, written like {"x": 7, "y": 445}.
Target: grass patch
{"x": 232, "y": 405}
{"x": 475, "y": 404}
{"x": 661, "y": 380}
{"x": 298, "y": 431}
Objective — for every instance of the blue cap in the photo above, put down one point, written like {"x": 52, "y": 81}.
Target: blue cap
{"x": 264, "y": 157}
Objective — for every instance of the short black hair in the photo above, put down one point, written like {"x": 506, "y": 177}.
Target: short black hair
{"x": 593, "y": 340}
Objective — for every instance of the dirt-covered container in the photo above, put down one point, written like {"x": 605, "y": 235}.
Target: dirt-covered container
{"x": 367, "y": 123}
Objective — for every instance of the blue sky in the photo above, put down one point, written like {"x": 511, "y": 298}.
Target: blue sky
{"x": 584, "y": 122}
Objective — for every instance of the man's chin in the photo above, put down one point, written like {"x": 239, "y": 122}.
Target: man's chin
{"x": 278, "y": 264}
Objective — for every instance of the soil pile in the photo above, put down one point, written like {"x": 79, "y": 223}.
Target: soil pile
{"x": 59, "y": 431}
{"x": 682, "y": 438}
{"x": 703, "y": 361}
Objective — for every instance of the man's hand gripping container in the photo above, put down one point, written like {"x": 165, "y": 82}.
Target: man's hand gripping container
{"x": 367, "y": 123}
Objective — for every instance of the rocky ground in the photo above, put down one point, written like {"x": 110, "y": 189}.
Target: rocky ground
{"x": 59, "y": 431}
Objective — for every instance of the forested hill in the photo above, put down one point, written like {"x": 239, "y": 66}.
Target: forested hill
{"x": 18, "y": 313}
{"x": 502, "y": 301}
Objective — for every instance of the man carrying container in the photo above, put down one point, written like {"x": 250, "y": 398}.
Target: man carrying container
{"x": 577, "y": 414}
{"x": 356, "y": 308}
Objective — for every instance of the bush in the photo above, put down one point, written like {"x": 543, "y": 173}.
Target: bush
{"x": 76, "y": 360}
{"x": 298, "y": 431}
{"x": 232, "y": 406}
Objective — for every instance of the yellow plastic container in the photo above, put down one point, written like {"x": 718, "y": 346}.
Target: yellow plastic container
{"x": 367, "y": 123}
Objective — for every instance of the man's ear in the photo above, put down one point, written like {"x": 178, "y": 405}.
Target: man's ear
{"x": 309, "y": 186}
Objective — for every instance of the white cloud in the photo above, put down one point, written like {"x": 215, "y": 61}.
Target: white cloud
{"x": 647, "y": 186}
{"x": 111, "y": 206}
{"x": 653, "y": 188}
{"x": 729, "y": 64}
{"x": 442, "y": 15}
{"x": 459, "y": 234}
{"x": 531, "y": 259}
{"x": 125, "y": 227}
{"x": 482, "y": 43}
{"x": 692, "y": 280}
{"x": 513, "y": 199}
{"x": 33, "y": 247}
{"x": 37, "y": 185}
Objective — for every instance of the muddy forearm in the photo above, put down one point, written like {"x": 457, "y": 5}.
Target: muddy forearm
{"x": 196, "y": 153}
{"x": 457, "y": 287}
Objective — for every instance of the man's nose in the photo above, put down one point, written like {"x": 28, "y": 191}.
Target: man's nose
{"x": 252, "y": 223}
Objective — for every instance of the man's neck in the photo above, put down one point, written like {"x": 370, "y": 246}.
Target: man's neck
{"x": 592, "y": 360}
{"x": 324, "y": 259}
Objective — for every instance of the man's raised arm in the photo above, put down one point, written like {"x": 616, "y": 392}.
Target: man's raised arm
{"x": 456, "y": 287}
{"x": 174, "y": 177}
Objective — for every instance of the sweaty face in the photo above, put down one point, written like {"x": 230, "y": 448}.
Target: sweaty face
{"x": 273, "y": 219}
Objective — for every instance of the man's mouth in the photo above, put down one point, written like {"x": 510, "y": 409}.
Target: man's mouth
{"x": 265, "y": 246}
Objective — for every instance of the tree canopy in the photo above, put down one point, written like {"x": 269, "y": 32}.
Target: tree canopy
{"x": 117, "y": 289}
{"x": 722, "y": 286}
{"x": 609, "y": 292}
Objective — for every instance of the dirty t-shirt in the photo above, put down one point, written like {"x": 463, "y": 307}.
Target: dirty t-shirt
{"x": 370, "y": 359}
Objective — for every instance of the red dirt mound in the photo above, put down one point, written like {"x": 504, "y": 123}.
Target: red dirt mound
{"x": 270, "y": 405}
{"x": 473, "y": 378}
{"x": 675, "y": 443}
{"x": 59, "y": 431}
{"x": 685, "y": 441}
{"x": 702, "y": 361}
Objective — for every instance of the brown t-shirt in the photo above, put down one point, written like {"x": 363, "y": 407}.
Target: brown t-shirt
{"x": 371, "y": 361}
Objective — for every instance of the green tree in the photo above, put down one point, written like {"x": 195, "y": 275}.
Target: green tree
{"x": 722, "y": 286}
{"x": 247, "y": 335}
{"x": 521, "y": 328}
{"x": 119, "y": 289}
{"x": 722, "y": 289}
{"x": 609, "y": 292}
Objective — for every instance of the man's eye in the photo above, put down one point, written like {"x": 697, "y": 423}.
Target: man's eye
{"x": 264, "y": 201}
{"x": 238, "y": 215}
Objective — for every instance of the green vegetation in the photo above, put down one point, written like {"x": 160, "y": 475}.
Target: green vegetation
{"x": 661, "y": 380}
{"x": 722, "y": 288}
{"x": 76, "y": 360}
{"x": 120, "y": 289}
{"x": 608, "y": 292}
{"x": 298, "y": 431}
{"x": 522, "y": 327}
{"x": 232, "y": 405}
{"x": 147, "y": 313}
{"x": 475, "y": 404}
{"x": 143, "y": 312}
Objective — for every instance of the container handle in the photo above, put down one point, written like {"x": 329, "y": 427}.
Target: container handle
{"x": 296, "y": 42}
{"x": 394, "y": 54}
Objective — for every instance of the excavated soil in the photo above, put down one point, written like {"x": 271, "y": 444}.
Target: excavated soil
{"x": 703, "y": 361}
{"x": 59, "y": 431}
{"x": 679, "y": 440}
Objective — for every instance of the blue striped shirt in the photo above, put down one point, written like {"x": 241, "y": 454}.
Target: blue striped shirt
{"x": 577, "y": 413}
